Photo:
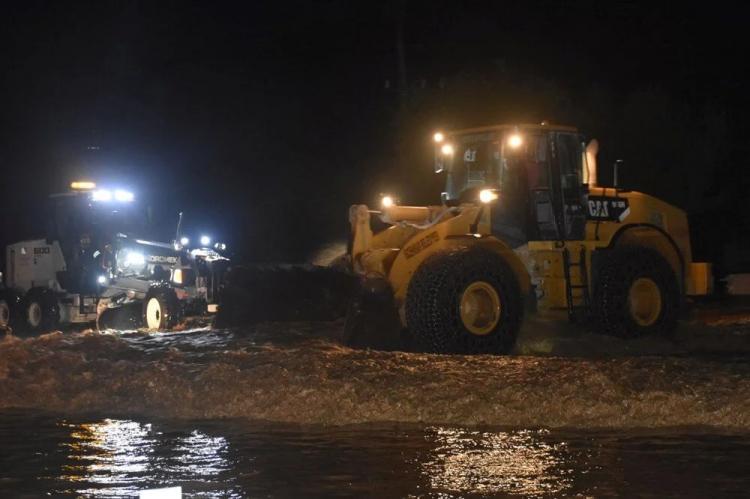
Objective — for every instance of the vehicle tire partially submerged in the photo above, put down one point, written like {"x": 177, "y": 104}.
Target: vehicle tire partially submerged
{"x": 636, "y": 294}
{"x": 467, "y": 301}
{"x": 40, "y": 310}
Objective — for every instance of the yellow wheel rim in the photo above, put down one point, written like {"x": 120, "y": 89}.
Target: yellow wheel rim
{"x": 644, "y": 301}
{"x": 480, "y": 308}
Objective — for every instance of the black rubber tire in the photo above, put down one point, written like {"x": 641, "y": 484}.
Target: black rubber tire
{"x": 170, "y": 313}
{"x": 433, "y": 303}
{"x": 49, "y": 308}
{"x": 10, "y": 307}
{"x": 619, "y": 268}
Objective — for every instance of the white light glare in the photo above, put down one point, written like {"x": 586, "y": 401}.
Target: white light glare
{"x": 184, "y": 241}
{"x": 124, "y": 196}
{"x": 387, "y": 202}
{"x": 102, "y": 195}
{"x": 134, "y": 259}
{"x": 487, "y": 195}
{"x": 101, "y": 280}
{"x": 447, "y": 149}
{"x": 205, "y": 240}
{"x": 515, "y": 141}
{"x": 438, "y": 137}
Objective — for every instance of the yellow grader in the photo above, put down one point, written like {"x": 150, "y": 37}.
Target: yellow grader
{"x": 523, "y": 225}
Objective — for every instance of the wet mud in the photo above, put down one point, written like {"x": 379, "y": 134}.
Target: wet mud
{"x": 300, "y": 373}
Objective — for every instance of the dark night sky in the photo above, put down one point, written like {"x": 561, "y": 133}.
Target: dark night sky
{"x": 263, "y": 121}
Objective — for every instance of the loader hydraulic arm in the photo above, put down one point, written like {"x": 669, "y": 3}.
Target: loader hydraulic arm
{"x": 359, "y": 217}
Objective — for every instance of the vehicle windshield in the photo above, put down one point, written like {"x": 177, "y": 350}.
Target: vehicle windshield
{"x": 79, "y": 215}
{"x": 476, "y": 162}
{"x": 485, "y": 160}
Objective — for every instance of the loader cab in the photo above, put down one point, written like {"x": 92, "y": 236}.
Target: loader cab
{"x": 536, "y": 171}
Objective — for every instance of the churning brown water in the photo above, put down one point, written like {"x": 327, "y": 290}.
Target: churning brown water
{"x": 298, "y": 373}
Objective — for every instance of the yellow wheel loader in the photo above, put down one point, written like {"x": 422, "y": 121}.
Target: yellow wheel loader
{"x": 523, "y": 224}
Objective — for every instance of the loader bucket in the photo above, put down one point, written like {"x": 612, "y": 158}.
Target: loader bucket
{"x": 263, "y": 293}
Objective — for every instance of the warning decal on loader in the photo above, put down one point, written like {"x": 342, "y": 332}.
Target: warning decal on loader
{"x": 611, "y": 209}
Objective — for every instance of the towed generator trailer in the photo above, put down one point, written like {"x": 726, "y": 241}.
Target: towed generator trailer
{"x": 92, "y": 266}
{"x": 522, "y": 219}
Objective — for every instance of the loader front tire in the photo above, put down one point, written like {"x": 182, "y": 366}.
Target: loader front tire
{"x": 636, "y": 294}
{"x": 467, "y": 301}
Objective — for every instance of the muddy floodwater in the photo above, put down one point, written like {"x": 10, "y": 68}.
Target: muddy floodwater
{"x": 283, "y": 410}
{"x": 300, "y": 373}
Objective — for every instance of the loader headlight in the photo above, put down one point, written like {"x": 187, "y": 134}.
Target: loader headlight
{"x": 447, "y": 149}
{"x": 220, "y": 246}
{"x": 184, "y": 241}
{"x": 387, "y": 201}
{"x": 177, "y": 276}
{"x": 515, "y": 141}
{"x": 134, "y": 259}
{"x": 487, "y": 195}
{"x": 101, "y": 280}
{"x": 438, "y": 137}
{"x": 205, "y": 241}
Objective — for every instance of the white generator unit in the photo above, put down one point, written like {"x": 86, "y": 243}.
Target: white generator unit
{"x": 31, "y": 272}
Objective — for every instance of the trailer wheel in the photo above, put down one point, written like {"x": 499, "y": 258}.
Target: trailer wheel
{"x": 6, "y": 313}
{"x": 467, "y": 301}
{"x": 41, "y": 311}
{"x": 636, "y": 294}
{"x": 161, "y": 309}
{"x": 7, "y": 310}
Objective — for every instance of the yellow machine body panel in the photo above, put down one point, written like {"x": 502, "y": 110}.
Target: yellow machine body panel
{"x": 398, "y": 251}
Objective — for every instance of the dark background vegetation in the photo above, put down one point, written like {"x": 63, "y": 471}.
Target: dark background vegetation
{"x": 264, "y": 121}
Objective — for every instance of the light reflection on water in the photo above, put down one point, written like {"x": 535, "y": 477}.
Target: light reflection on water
{"x": 485, "y": 462}
{"x": 44, "y": 454}
{"x": 116, "y": 457}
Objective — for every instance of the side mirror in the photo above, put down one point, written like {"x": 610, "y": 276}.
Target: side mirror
{"x": 615, "y": 169}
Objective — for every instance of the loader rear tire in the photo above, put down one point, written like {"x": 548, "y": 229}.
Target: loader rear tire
{"x": 467, "y": 301}
{"x": 636, "y": 294}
